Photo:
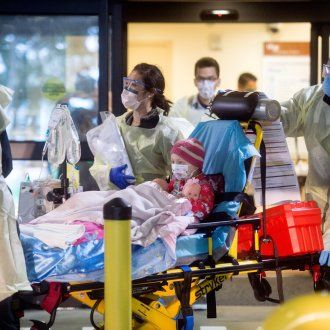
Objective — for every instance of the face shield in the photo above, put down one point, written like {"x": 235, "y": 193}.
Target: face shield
{"x": 133, "y": 86}
{"x": 131, "y": 90}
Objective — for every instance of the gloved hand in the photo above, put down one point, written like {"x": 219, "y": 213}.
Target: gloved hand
{"x": 119, "y": 178}
{"x": 325, "y": 258}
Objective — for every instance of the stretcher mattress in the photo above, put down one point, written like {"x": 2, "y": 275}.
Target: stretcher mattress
{"x": 84, "y": 262}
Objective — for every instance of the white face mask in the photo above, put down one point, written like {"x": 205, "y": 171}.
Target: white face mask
{"x": 180, "y": 171}
{"x": 129, "y": 100}
{"x": 206, "y": 89}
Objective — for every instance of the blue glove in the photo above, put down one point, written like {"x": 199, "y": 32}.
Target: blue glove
{"x": 119, "y": 178}
{"x": 325, "y": 258}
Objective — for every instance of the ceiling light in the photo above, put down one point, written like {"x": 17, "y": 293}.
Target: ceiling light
{"x": 219, "y": 15}
{"x": 220, "y": 12}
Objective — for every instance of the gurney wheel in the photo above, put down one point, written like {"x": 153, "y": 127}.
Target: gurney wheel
{"x": 323, "y": 283}
{"x": 319, "y": 286}
{"x": 261, "y": 287}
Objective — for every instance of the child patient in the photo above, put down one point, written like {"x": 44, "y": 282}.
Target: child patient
{"x": 188, "y": 181}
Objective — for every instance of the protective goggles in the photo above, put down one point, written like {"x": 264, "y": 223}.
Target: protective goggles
{"x": 133, "y": 85}
{"x": 325, "y": 70}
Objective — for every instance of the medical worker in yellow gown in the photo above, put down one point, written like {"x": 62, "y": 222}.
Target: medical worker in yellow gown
{"x": 307, "y": 114}
{"x": 147, "y": 132}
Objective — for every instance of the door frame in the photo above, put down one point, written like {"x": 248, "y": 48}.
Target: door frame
{"x": 319, "y": 49}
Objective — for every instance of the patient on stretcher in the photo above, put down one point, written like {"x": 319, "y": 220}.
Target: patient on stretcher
{"x": 159, "y": 210}
{"x": 158, "y": 218}
{"x": 160, "y": 213}
{"x": 188, "y": 181}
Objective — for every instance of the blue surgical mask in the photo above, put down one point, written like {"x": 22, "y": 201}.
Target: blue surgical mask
{"x": 326, "y": 85}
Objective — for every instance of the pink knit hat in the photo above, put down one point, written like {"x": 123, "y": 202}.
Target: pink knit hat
{"x": 191, "y": 150}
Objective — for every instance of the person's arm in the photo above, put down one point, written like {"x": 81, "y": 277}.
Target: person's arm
{"x": 100, "y": 173}
{"x": 111, "y": 178}
{"x": 291, "y": 117}
{"x": 294, "y": 111}
{"x": 6, "y": 95}
{"x": 116, "y": 176}
{"x": 204, "y": 205}
{"x": 161, "y": 183}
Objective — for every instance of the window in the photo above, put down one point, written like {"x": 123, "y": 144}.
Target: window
{"x": 46, "y": 60}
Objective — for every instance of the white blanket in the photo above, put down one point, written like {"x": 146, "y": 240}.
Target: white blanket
{"x": 54, "y": 235}
{"x": 155, "y": 213}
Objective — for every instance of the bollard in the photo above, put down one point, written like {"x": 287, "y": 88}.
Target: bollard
{"x": 117, "y": 265}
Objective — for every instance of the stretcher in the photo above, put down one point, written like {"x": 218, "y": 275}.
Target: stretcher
{"x": 164, "y": 300}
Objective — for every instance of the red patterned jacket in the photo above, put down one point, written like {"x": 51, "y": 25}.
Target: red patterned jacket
{"x": 204, "y": 204}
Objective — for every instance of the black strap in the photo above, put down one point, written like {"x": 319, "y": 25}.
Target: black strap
{"x": 263, "y": 185}
{"x": 218, "y": 216}
{"x": 248, "y": 207}
{"x": 7, "y": 159}
{"x": 211, "y": 305}
{"x": 278, "y": 271}
{"x": 279, "y": 278}
{"x": 265, "y": 238}
{"x": 228, "y": 258}
{"x": 228, "y": 196}
{"x": 211, "y": 302}
{"x": 182, "y": 291}
{"x": 247, "y": 204}
{"x": 326, "y": 99}
{"x": 8, "y": 318}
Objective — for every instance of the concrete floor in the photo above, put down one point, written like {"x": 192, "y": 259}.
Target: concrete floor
{"x": 229, "y": 318}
